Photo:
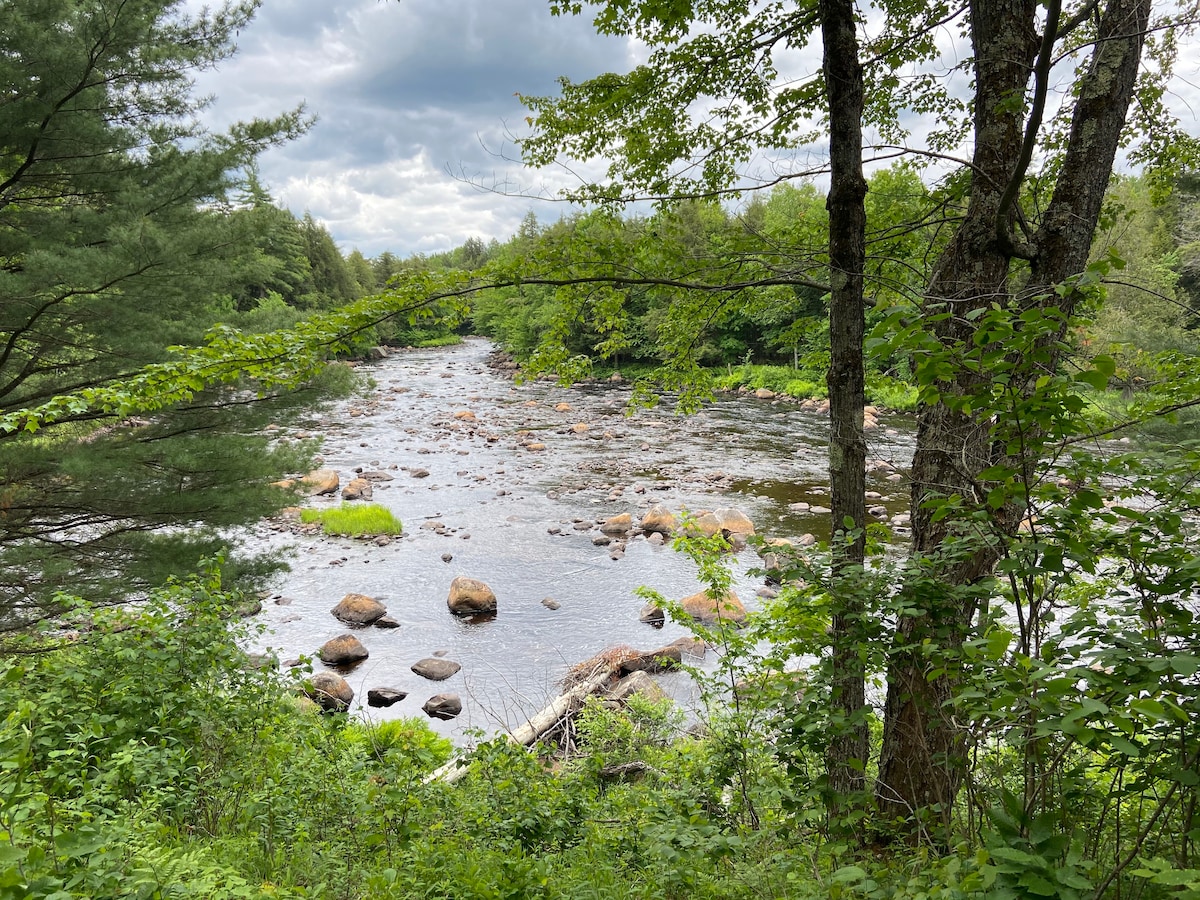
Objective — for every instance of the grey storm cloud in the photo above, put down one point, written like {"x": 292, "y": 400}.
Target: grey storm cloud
{"x": 410, "y": 97}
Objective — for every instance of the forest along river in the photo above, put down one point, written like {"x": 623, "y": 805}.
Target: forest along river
{"x": 476, "y": 501}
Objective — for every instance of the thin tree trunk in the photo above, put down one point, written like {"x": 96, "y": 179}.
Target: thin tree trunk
{"x": 846, "y": 756}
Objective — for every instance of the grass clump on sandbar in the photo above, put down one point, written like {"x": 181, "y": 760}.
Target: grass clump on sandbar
{"x": 353, "y": 520}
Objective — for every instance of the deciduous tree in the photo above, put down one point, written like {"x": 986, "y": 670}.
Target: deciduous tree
{"x": 1044, "y": 116}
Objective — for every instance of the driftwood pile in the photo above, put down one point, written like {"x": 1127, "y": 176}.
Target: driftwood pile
{"x": 615, "y": 674}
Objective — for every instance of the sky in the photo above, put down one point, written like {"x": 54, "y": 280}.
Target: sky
{"x": 415, "y": 100}
{"x": 416, "y": 107}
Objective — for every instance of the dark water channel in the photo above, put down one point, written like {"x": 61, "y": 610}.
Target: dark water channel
{"x": 506, "y": 515}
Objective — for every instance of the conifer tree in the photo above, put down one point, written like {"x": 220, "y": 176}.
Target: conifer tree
{"x": 113, "y": 247}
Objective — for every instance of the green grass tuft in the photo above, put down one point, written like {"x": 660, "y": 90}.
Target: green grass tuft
{"x": 356, "y": 519}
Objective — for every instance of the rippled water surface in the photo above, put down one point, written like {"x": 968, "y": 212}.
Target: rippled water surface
{"x": 507, "y": 516}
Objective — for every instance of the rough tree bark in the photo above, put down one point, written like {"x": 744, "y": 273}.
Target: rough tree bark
{"x": 920, "y": 764}
{"x": 847, "y": 753}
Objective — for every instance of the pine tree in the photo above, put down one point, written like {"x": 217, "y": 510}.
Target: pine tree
{"x": 114, "y": 246}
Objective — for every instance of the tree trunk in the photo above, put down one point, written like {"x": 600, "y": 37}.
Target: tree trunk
{"x": 847, "y": 753}
{"x": 921, "y": 761}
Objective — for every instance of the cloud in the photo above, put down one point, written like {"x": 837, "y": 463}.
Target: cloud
{"x": 417, "y": 98}
{"x": 410, "y": 97}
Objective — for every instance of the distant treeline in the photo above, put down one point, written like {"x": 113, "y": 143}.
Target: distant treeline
{"x": 1152, "y": 301}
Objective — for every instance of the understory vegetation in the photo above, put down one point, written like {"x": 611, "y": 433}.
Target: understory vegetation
{"x": 146, "y": 756}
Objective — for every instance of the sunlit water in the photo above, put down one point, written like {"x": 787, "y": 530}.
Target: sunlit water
{"x": 509, "y": 513}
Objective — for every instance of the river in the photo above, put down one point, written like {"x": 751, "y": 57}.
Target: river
{"x": 476, "y": 501}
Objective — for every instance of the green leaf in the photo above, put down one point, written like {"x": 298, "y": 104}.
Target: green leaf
{"x": 1091, "y": 377}
{"x": 1038, "y": 884}
{"x": 998, "y": 640}
{"x": 1124, "y": 746}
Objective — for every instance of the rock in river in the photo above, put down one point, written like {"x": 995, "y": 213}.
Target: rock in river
{"x": 443, "y": 706}
{"x": 734, "y": 521}
{"x": 343, "y": 650}
{"x": 709, "y": 610}
{"x": 359, "y": 609}
{"x": 637, "y": 683}
{"x": 384, "y": 696}
{"x": 320, "y": 481}
{"x": 469, "y": 596}
{"x": 358, "y": 489}
{"x": 620, "y": 524}
{"x": 435, "y": 669}
{"x": 704, "y": 523}
{"x": 329, "y": 690}
{"x": 652, "y": 615}
{"x": 658, "y": 519}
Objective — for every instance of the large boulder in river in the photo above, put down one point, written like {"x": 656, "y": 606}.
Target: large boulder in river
{"x": 320, "y": 481}
{"x": 343, "y": 650}
{"x": 734, "y": 521}
{"x": 469, "y": 596}
{"x": 358, "y": 489}
{"x": 435, "y": 669}
{"x": 658, "y": 519}
{"x": 620, "y": 524}
{"x": 709, "y": 610}
{"x": 705, "y": 523}
{"x": 328, "y": 690}
{"x": 443, "y": 706}
{"x": 636, "y": 683}
{"x": 359, "y": 609}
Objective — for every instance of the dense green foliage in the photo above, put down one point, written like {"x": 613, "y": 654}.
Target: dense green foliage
{"x": 776, "y": 335}
{"x": 145, "y": 757}
{"x": 124, "y": 233}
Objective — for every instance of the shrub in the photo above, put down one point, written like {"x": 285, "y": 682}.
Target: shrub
{"x": 409, "y": 736}
{"x": 891, "y": 393}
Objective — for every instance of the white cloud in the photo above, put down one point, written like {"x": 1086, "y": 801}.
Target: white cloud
{"x": 410, "y": 98}
{"x": 414, "y": 96}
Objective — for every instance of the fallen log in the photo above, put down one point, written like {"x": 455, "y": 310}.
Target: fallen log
{"x": 561, "y": 707}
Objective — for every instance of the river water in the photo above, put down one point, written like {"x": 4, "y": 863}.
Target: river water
{"x": 493, "y": 509}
